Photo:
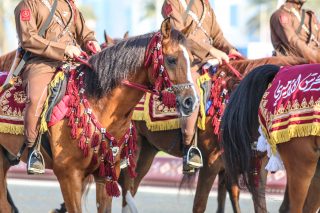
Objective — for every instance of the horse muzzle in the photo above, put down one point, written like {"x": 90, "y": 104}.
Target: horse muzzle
{"x": 186, "y": 98}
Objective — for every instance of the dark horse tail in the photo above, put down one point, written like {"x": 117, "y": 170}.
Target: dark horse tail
{"x": 240, "y": 123}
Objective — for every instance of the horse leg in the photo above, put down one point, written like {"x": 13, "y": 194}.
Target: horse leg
{"x": 145, "y": 159}
{"x": 300, "y": 168}
{"x": 312, "y": 203}
{"x": 285, "y": 205}
{"x": 234, "y": 194}
{"x": 261, "y": 206}
{"x": 71, "y": 184}
{"x": 206, "y": 178}
{"x": 104, "y": 201}
{"x": 4, "y": 167}
{"x": 222, "y": 191}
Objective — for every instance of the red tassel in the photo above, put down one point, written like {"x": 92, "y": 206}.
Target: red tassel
{"x": 103, "y": 147}
{"x": 78, "y": 111}
{"x": 112, "y": 189}
{"x": 159, "y": 82}
{"x": 168, "y": 99}
{"x": 86, "y": 149}
{"x": 74, "y": 132}
{"x": 132, "y": 167}
{"x": 95, "y": 140}
{"x": 71, "y": 120}
{"x": 109, "y": 156}
{"x": 69, "y": 112}
{"x": 94, "y": 160}
{"x": 82, "y": 142}
{"x": 108, "y": 170}
{"x": 88, "y": 131}
{"x": 102, "y": 172}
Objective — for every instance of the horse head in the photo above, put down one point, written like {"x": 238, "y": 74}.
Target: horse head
{"x": 176, "y": 60}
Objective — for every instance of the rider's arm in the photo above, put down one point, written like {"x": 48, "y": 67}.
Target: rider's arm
{"x": 282, "y": 26}
{"x": 27, "y": 30}
{"x": 84, "y": 34}
{"x": 173, "y": 9}
{"x": 219, "y": 41}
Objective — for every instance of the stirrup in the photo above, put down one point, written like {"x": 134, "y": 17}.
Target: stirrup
{"x": 37, "y": 154}
{"x": 198, "y": 152}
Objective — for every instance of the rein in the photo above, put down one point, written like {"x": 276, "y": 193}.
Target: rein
{"x": 234, "y": 70}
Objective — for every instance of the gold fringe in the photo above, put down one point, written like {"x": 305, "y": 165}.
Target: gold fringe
{"x": 202, "y": 109}
{"x": 14, "y": 129}
{"x": 293, "y": 131}
{"x": 43, "y": 123}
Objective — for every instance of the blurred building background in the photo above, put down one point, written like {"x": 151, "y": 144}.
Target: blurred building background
{"x": 245, "y": 23}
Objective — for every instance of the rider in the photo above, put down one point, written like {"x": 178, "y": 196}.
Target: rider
{"x": 206, "y": 33}
{"x": 295, "y": 31}
{"x": 64, "y": 37}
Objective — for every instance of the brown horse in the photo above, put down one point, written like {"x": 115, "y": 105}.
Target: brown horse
{"x": 240, "y": 125}
{"x": 170, "y": 142}
{"x": 112, "y": 103}
{"x": 7, "y": 60}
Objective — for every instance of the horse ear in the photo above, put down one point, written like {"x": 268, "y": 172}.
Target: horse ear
{"x": 105, "y": 36}
{"x": 166, "y": 28}
{"x": 126, "y": 35}
{"x": 108, "y": 39}
{"x": 186, "y": 31}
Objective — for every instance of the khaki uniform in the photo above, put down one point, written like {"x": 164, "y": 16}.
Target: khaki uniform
{"x": 66, "y": 28}
{"x": 208, "y": 35}
{"x": 286, "y": 37}
{"x": 205, "y": 34}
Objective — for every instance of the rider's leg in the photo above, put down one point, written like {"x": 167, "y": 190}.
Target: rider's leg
{"x": 188, "y": 128}
{"x": 36, "y": 78}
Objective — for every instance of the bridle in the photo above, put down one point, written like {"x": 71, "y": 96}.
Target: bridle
{"x": 154, "y": 59}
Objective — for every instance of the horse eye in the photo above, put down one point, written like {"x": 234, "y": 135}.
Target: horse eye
{"x": 171, "y": 60}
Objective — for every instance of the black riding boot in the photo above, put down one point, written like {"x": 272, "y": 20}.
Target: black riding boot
{"x": 35, "y": 163}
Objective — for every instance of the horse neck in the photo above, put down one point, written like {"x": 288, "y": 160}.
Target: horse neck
{"x": 6, "y": 61}
{"x": 115, "y": 109}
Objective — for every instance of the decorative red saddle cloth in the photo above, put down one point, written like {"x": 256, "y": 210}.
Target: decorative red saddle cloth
{"x": 12, "y": 104}
{"x": 291, "y": 105}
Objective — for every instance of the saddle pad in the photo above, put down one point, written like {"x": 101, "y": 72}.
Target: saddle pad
{"x": 12, "y": 104}
{"x": 157, "y": 116}
{"x": 291, "y": 105}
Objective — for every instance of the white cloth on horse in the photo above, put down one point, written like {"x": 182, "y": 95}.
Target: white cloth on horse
{"x": 275, "y": 163}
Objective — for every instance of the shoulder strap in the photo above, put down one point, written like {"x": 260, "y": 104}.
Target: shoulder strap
{"x": 301, "y": 21}
{"x": 46, "y": 24}
{"x": 41, "y": 33}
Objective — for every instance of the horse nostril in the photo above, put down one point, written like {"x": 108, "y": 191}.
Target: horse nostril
{"x": 187, "y": 103}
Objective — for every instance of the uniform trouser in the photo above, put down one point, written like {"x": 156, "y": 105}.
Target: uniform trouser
{"x": 188, "y": 124}
{"x": 36, "y": 77}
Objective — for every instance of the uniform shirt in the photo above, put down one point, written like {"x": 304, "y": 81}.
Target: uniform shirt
{"x": 209, "y": 35}
{"x": 286, "y": 40}
{"x": 30, "y": 15}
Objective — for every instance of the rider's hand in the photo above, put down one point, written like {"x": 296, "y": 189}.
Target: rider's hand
{"x": 96, "y": 45}
{"x": 221, "y": 56}
{"x": 72, "y": 51}
{"x": 235, "y": 52}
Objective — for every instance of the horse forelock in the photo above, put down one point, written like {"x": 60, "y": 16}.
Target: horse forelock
{"x": 116, "y": 63}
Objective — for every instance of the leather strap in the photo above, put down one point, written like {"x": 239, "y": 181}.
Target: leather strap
{"x": 303, "y": 17}
{"x": 41, "y": 33}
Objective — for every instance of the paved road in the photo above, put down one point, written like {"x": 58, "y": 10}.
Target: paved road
{"x": 41, "y": 196}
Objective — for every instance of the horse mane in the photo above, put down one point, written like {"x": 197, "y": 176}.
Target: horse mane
{"x": 116, "y": 63}
{"x": 7, "y": 60}
{"x": 246, "y": 65}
